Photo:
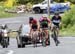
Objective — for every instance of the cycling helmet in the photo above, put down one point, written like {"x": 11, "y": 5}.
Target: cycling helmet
{"x": 30, "y": 18}
{"x": 3, "y": 26}
{"x": 45, "y": 15}
{"x": 56, "y": 13}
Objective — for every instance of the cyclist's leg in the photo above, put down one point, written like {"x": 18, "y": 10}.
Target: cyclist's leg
{"x": 46, "y": 31}
{"x": 35, "y": 30}
{"x": 54, "y": 36}
{"x": 33, "y": 27}
{"x": 52, "y": 30}
{"x": 31, "y": 31}
{"x": 47, "y": 34}
{"x": 34, "y": 37}
{"x": 58, "y": 33}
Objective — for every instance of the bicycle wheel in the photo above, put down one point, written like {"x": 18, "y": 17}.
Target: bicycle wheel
{"x": 34, "y": 39}
{"x": 48, "y": 40}
{"x": 55, "y": 38}
{"x": 43, "y": 39}
{"x": 5, "y": 42}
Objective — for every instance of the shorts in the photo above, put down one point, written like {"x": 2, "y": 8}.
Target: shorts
{"x": 57, "y": 25}
{"x": 34, "y": 27}
{"x": 44, "y": 26}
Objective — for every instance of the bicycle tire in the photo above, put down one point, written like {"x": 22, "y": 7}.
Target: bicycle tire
{"x": 43, "y": 39}
{"x": 55, "y": 38}
{"x": 5, "y": 42}
{"x": 34, "y": 40}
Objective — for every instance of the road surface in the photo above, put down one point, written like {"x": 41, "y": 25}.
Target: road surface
{"x": 15, "y": 22}
{"x": 67, "y": 45}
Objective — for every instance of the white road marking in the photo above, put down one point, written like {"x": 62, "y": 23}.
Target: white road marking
{"x": 10, "y": 52}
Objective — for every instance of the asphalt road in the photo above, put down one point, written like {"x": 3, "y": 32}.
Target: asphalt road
{"x": 15, "y": 22}
{"x": 67, "y": 45}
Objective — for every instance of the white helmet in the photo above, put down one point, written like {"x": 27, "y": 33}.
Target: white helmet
{"x": 44, "y": 15}
{"x": 3, "y": 25}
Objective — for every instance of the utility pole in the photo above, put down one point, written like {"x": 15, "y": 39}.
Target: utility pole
{"x": 49, "y": 1}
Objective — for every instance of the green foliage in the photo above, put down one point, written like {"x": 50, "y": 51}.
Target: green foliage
{"x": 69, "y": 18}
{"x": 72, "y": 1}
{"x": 29, "y": 1}
{"x": 5, "y": 14}
{"x": 2, "y": 0}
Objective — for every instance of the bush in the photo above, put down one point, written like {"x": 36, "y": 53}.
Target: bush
{"x": 72, "y": 1}
{"x": 9, "y": 3}
{"x": 69, "y": 18}
{"x": 2, "y": 0}
{"x": 29, "y": 5}
{"x": 29, "y": 1}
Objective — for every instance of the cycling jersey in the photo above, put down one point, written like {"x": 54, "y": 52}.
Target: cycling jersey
{"x": 34, "y": 21}
{"x": 56, "y": 21}
{"x": 34, "y": 24}
{"x": 44, "y": 23}
{"x": 41, "y": 19}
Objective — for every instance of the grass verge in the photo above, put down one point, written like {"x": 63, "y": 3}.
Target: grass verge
{"x": 4, "y": 14}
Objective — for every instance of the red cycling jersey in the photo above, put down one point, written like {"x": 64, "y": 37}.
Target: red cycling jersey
{"x": 34, "y": 21}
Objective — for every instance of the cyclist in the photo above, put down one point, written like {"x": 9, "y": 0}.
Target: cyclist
{"x": 33, "y": 25}
{"x": 45, "y": 23}
{"x": 56, "y": 21}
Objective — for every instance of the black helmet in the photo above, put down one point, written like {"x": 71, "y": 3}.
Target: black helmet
{"x": 30, "y": 18}
{"x": 56, "y": 13}
{"x": 4, "y": 26}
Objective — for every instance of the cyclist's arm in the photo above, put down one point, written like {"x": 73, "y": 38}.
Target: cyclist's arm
{"x": 60, "y": 24}
{"x": 49, "y": 22}
{"x": 30, "y": 29}
{"x": 38, "y": 25}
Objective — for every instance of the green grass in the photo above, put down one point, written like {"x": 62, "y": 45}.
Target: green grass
{"x": 67, "y": 34}
{"x": 6, "y": 15}
{"x": 69, "y": 31}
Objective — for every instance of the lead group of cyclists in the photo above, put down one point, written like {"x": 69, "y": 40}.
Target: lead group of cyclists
{"x": 46, "y": 23}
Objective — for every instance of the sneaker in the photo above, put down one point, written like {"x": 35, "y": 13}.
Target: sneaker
{"x": 57, "y": 42}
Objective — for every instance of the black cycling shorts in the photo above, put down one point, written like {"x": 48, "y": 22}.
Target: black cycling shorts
{"x": 44, "y": 26}
{"x": 34, "y": 27}
{"x": 57, "y": 25}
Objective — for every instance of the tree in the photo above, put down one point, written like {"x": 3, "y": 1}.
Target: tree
{"x": 29, "y": 1}
{"x": 2, "y": 0}
{"x": 72, "y": 1}
{"x": 9, "y": 3}
{"x": 59, "y": 0}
